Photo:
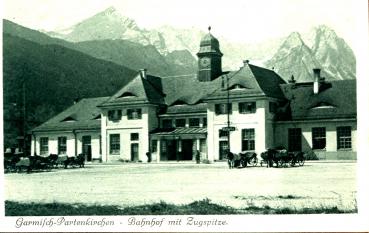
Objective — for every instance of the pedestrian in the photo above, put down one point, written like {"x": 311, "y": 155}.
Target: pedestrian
{"x": 197, "y": 156}
{"x": 148, "y": 154}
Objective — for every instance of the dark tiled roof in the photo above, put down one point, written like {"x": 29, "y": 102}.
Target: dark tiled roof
{"x": 195, "y": 108}
{"x": 337, "y": 99}
{"x": 254, "y": 80}
{"x": 190, "y": 91}
{"x": 143, "y": 90}
{"x": 187, "y": 89}
{"x": 81, "y": 115}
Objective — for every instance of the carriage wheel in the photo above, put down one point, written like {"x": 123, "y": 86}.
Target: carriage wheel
{"x": 254, "y": 162}
{"x": 292, "y": 162}
{"x": 301, "y": 162}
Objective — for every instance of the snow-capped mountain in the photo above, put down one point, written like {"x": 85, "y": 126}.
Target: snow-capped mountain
{"x": 295, "y": 55}
{"x": 322, "y": 49}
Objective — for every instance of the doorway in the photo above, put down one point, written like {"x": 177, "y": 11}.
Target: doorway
{"x": 86, "y": 147}
{"x": 134, "y": 151}
{"x": 187, "y": 150}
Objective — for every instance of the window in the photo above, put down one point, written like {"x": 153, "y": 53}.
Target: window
{"x": 180, "y": 122}
{"x": 272, "y": 107}
{"x": 44, "y": 145}
{"x": 248, "y": 139}
{"x": 62, "y": 145}
{"x": 154, "y": 146}
{"x": 222, "y": 109}
{"x": 204, "y": 122}
{"x": 203, "y": 147}
{"x": 247, "y": 107}
{"x": 134, "y": 136}
{"x": 115, "y": 144}
{"x": 319, "y": 140}
{"x": 167, "y": 123}
{"x": 344, "y": 137}
{"x": 223, "y": 134}
{"x": 133, "y": 114}
{"x": 194, "y": 122}
{"x": 294, "y": 139}
{"x": 115, "y": 115}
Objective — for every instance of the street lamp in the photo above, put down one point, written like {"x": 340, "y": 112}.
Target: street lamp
{"x": 228, "y": 129}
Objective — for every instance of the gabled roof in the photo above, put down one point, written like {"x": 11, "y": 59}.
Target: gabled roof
{"x": 256, "y": 81}
{"x": 139, "y": 90}
{"x": 84, "y": 115}
{"x": 187, "y": 88}
{"x": 336, "y": 99}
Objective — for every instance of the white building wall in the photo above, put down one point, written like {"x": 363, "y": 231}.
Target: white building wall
{"x": 330, "y": 152}
{"x": 53, "y": 142}
{"x": 125, "y": 127}
{"x": 255, "y": 120}
{"x": 95, "y": 143}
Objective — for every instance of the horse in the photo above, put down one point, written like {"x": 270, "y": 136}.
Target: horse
{"x": 248, "y": 157}
{"x": 230, "y": 159}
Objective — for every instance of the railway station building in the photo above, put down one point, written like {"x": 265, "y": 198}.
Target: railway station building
{"x": 173, "y": 118}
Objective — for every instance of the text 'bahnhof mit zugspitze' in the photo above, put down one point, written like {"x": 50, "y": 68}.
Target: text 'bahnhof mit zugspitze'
{"x": 173, "y": 118}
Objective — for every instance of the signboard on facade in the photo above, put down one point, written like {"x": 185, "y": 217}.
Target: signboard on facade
{"x": 230, "y": 128}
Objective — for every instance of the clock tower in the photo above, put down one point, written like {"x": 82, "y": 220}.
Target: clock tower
{"x": 209, "y": 58}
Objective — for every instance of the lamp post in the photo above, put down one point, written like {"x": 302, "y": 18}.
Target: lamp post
{"x": 228, "y": 128}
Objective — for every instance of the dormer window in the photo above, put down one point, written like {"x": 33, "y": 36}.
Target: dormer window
{"x": 127, "y": 95}
{"x": 179, "y": 102}
{"x": 237, "y": 87}
{"x": 69, "y": 119}
{"x": 115, "y": 115}
{"x": 323, "y": 105}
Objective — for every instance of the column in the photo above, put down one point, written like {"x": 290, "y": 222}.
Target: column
{"x": 158, "y": 150}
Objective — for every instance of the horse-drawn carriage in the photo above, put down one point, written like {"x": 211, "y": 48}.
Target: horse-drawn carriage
{"x": 20, "y": 162}
{"x": 242, "y": 159}
{"x": 282, "y": 158}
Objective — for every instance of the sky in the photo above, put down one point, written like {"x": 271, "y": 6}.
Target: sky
{"x": 236, "y": 20}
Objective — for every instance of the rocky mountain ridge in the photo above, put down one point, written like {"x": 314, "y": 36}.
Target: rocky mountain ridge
{"x": 295, "y": 55}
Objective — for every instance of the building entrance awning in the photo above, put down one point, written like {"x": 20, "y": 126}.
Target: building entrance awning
{"x": 179, "y": 133}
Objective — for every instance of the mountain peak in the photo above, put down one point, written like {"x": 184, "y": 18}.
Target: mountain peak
{"x": 293, "y": 40}
{"x": 109, "y": 10}
{"x": 326, "y": 31}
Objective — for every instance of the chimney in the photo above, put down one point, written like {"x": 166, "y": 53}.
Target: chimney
{"x": 292, "y": 80}
{"x": 316, "y": 80}
{"x": 143, "y": 73}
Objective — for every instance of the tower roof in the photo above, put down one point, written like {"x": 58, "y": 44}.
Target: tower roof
{"x": 209, "y": 43}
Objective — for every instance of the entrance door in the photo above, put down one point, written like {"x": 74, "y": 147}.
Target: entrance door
{"x": 223, "y": 149}
{"x": 187, "y": 149}
{"x": 172, "y": 150}
{"x": 86, "y": 147}
{"x": 134, "y": 152}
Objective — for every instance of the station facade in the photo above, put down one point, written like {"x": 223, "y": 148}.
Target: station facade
{"x": 211, "y": 112}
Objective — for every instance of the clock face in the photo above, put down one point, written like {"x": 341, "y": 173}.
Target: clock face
{"x": 205, "y": 62}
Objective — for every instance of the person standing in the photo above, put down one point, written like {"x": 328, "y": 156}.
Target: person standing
{"x": 197, "y": 156}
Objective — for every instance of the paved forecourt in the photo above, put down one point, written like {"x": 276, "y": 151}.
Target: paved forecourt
{"x": 313, "y": 185}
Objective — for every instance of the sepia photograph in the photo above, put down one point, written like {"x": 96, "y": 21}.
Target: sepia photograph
{"x": 168, "y": 115}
